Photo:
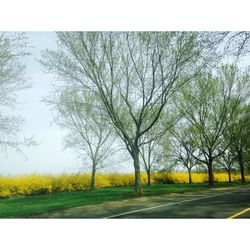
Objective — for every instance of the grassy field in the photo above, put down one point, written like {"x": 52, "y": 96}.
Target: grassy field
{"x": 36, "y": 204}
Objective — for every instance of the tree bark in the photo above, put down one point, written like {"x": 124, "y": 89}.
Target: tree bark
{"x": 189, "y": 176}
{"x": 229, "y": 175}
{"x": 149, "y": 177}
{"x": 241, "y": 164}
{"x": 138, "y": 188}
{"x": 92, "y": 182}
{"x": 210, "y": 172}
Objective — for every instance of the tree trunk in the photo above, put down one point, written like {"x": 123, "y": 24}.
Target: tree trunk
{"x": 92, "y": 182}
{"x": 189, "y": 176}
{"x": 241, "y": 164}
{"x": 138, "y": 188}
{"x": 210, "y": 172}
{"x": 229, "y": 175}
{"x": 149, "y": 177}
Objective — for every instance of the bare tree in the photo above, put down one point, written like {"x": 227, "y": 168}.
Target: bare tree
{"x": 133, "y": 73}
{"x": 13, "y": 49}
{"x": 90, "y": 133}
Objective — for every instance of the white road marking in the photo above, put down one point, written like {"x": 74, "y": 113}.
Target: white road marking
{"x": 171, "y": 203}
{"x": 195, "y": 195}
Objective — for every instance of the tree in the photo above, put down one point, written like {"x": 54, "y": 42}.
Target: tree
{"x": 133, "y": 73}
{"x": 247, "y": 159}
{"x": 151, "y": 143}
{"x": 183, "y": 149}
{"x": 238, "y": 134}
{"x": 237, "y": 43}
{"x": 227, "y": 161}
{"x": 90, "y": 133}
{"x": 149, "y": 153}
{"x": 13, "y": 49}
{"x": 208, "y": 105}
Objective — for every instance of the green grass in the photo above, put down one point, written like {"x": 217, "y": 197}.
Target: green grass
{"x": 23, "y": 207}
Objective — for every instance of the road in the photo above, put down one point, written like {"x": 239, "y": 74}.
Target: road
{"x": 215, "y": 203}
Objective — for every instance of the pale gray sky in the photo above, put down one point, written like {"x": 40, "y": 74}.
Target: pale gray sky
{"x": 48, "y": 156}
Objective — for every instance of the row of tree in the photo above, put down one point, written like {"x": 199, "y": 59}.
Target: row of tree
{"x": 150, "y": 89}
{"x": 214, "y": 129}
{"x": 211, "y": 129}
{"x": 158, "y": 96}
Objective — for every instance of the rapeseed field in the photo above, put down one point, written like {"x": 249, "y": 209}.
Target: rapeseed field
{"x": 44, "y": 184}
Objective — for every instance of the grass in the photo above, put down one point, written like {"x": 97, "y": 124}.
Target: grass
{"x": 23, "y": 207}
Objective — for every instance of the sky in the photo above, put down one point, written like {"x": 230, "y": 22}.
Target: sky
{"x": 48, "y": 156}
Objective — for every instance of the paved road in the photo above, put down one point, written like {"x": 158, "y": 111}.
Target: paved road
{"x": 215, "y": 203}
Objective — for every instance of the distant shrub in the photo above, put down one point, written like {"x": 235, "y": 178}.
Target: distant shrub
{"x": 161, "y": 178}
{"x": 27, "y": 185}
{"x": 117, "y": 180}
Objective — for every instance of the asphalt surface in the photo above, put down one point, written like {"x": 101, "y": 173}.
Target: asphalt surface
{"x": 215, "y": 203}
{"x": 219, "y": 204}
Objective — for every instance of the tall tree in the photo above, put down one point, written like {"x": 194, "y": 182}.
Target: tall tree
{"x": 208, "y": 105}
{"x": 89, "y": 132}
{"x": 151, "y": 143}
{"x": 133, "y": 73}
{"x": 227, "y": 161}
{"x": 238, "y": 134}
{"x": 149, "y": 154}
{"x": 13, "y": 49}
{"x": 183, "y": 149}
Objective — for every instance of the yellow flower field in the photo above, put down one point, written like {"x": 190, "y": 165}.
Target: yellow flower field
{"x": 43, "y": 184}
